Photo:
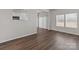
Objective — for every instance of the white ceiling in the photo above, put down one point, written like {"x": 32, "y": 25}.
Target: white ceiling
{"x": 31, "y": 10}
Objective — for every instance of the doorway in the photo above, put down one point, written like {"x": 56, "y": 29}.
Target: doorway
{"x": 42, "y": 22}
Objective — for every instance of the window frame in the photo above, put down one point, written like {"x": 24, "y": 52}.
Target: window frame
{"x": 76, "y": 20}
{"x": 66, "y": 20}
{"x": 57, "y": 20}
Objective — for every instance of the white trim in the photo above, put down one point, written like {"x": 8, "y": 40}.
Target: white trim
{"x": 17, "y": 37}
{"x": 65, "y": 32}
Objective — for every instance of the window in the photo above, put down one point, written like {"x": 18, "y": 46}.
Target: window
{"x": 71, "y": 20}
{"x": 60, "y": 20}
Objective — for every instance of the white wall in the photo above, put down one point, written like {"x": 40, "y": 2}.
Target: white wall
{"x": 61, "y": 29}
{"x": 11, "y": 29}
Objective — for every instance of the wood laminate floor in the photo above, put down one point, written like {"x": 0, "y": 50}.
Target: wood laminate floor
{"x": 44, "y": 40}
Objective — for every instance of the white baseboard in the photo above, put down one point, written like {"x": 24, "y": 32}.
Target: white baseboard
{"x": 66, "y": 32}
{"x": 18, "y": 37}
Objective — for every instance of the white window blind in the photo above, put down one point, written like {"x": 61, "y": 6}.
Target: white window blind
{"x": 71, "y": 20}
{"x": 60, "y": 20}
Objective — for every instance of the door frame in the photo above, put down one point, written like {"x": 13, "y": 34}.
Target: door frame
{"x": 38, "y": 15}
